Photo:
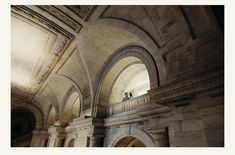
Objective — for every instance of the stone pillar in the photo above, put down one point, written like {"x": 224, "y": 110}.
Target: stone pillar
{"x": 95, "y": 141}
{"x": 57, "y": 136}
{"x": 60, "y": 142}
{"x": 88, "y": 131}
{"x": 44, "y": 142}
{"x": 39, "y": 138}
{"x": 53, "y": 134}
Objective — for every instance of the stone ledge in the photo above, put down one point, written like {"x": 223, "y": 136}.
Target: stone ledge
{"x": 178, "y": 90}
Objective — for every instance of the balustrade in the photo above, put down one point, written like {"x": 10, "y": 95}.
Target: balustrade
{"x": 128, "y": 104}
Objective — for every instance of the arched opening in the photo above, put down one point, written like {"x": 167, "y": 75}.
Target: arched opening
{"x": 22, "y": 124}
{"x": 51, "y": 117}
{"x": 71, "y": 109}
{"x": 71, "y": 143}
{"x": 127, "y": 75}
{"x": 129, "y": 142}
{"x": 131, "y": 69}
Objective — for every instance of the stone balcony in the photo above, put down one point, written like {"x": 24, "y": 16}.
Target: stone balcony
{"x": 129, "y": 104}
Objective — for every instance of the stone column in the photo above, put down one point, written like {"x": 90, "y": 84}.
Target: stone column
{"x": 53, "y": 134}
{"x": 59, "y": 142}
{"x": 61, "y": 135}
{"x": 95, "y": 141}
{"x": 39, "y": 138}
{"x": 57, "y": 136}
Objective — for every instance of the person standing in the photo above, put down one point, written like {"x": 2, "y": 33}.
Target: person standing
{"x": 131, "y": 96}
{"x": 126, "y": 97}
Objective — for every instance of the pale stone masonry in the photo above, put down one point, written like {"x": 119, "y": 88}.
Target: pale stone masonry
{"x": 94, "y": 53}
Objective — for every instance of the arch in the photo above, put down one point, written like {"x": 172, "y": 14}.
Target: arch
{"x": 35, "y": 110}
{"x": 74, "y": 88}
{"x": 51, "y": 117}
{"x": 71, "y": 143}
{"x": 70, "y": 138}
{"x": 71, "y": 108}
{"x": 133, "y": 78}
{"x": 22, "y": 126}
{"x": 141, "y": 135}
{"x": 150, "y": 44}
{"x": 70, "y": 92}
{"x": 134, "y": 51}
{"x": 129, "y": 141}
{"x": 135, "y": 36}
{"x": 52, "y": 103}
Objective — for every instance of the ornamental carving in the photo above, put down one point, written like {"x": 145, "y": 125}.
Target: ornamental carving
{"x": 61, "y": 16}
{"x": 37, "y": 18}
{"x": 81, "y": 10}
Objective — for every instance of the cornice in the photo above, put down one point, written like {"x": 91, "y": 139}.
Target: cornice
{"x": 189, "y": 87}
{"x": 43, "y": 21}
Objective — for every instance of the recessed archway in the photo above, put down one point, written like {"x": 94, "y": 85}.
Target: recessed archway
{"x": 71, "y": 143}
{"x": 71, "y": 109}
{"x": 133, "y": 78}
{"x": 51, "y": 117}
{"x": 129, "y": 69}
{"x": 22, "y": 125}
{"x": 129, "y": 141}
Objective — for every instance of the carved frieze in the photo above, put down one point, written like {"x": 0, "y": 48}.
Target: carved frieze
{"x": 81, "y": 10}
{"x": 43, "y": 21}
{"x": 61, "y": 16}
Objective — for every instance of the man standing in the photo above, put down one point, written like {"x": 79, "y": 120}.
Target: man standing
{"x": 126, "y": 97}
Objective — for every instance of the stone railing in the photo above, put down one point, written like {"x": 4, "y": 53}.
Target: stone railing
{"x": 129, "y": 104}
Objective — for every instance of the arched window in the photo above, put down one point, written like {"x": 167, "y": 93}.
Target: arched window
{"x": 131, "y": 76}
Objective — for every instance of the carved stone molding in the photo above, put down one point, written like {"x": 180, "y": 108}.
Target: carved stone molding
{"x": 61, "y": 16}
{"x": 187, "y": 88}
{"x": 87, "y": 127}
{"x": 43, "y": 21}
{"x": 81, "y": 10}
{"x": 51, "y": 62}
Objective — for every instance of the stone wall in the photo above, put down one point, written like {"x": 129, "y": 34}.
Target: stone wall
{"x": 185, "y": 62}
{"x": 196, "y": 121}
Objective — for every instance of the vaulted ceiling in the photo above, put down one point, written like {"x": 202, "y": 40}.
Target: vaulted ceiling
{"x": 39, "y": 37}
{"x": 57, "y": 48}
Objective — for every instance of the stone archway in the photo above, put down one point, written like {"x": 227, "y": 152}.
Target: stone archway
{"x": 150, "y": 43}
{"x": 27, "y": 138}
{"x": 129, "y": 141}
{"x": 134, "y": 54}
{"x": 70, "y": 140}
{"x": 71, "y": 143}
{"x": 36, "y": 111}
{"x": 71, "y": 109}
{"x": 135, "y": 133}
{"x": 51, "y": 117}
{"x": 22, "y": 126}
